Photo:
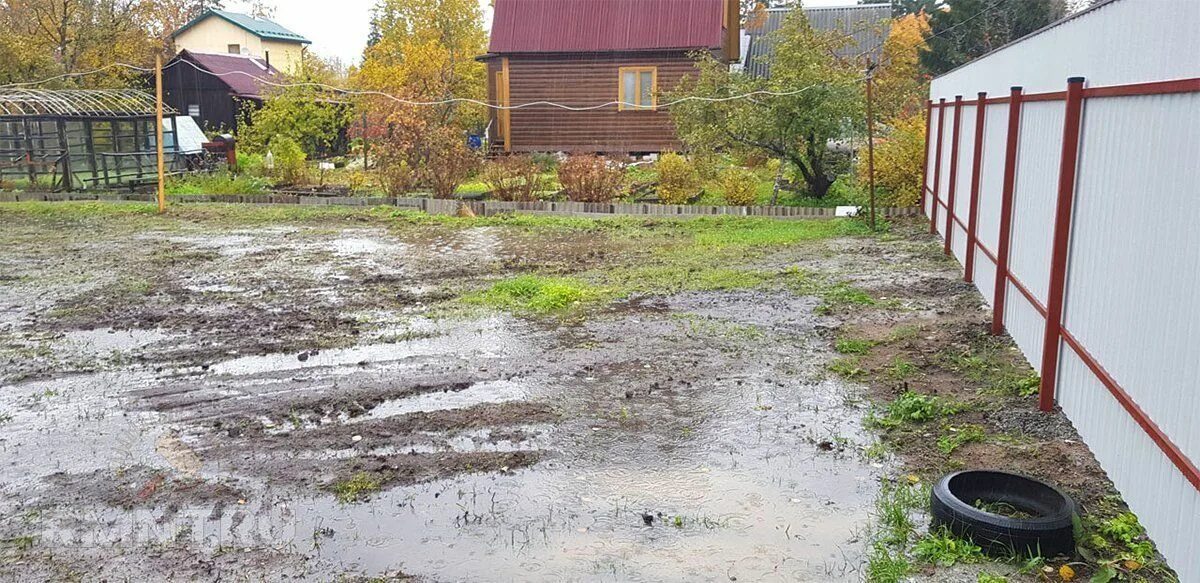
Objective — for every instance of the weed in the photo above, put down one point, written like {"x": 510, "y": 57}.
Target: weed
{"x": 959, "y": 436}
{"x": 943, "y": 549}
{"x": 853, "y": 346}
{"x": 357, "y": 488}
{"x": 912, "y": 407}
{"x": 901, "y": 369}
{"x": 987, "y": 577}
{"x": 894, "y": 508}
{"x": 847, "y": 367}
{"x": 876, "y": 451}
{"x": 905, "y": 332}
{"x": 885, "y": 567}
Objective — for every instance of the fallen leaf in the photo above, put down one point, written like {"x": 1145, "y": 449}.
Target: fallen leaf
{"x": 1133, "y": 565}
{"x": 1066, "y": 572}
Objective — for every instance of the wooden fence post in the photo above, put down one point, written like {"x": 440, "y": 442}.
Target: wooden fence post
{"x": 1062, "y": 242}
{"x": 950, "y": 190}
{"x": 1006, "y": 210}
{"x": 972, "y": 210}
{"x": 937, "y": 165}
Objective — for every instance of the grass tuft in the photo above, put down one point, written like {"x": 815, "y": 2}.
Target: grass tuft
{"x": 535, "y": 294}
{"x": 357, "y": 488}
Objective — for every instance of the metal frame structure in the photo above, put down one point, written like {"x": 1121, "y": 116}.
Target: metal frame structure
{"x": 61, "y": 140}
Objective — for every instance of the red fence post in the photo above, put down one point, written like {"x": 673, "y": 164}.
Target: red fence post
{"x": 1006, "y": 209}
{"x": 925, "y": 154}
{"x": 953, "y": 172}
{"x": 972, "y": 210}
{"x": 1062, "y": 241}
{"x": 937, "y": 164}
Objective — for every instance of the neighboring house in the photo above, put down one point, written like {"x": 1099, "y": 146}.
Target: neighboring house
{"x": 867, "y": 25}
{"x": 218, "y": 31}
{"x": 586, "y": 53}
{"x": 213, "y": 89}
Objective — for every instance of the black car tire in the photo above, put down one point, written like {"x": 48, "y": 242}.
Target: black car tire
{"x": 1050, "y": 533}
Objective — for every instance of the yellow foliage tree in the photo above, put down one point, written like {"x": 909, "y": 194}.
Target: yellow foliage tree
{"x": 901, "y": 86}
{"x": 898, "y": 160}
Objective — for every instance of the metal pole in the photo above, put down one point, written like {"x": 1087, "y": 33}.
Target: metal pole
{"x": 366, "y": 144}
{"x": 871, "y": 141}
{"x": 158, "y": 114}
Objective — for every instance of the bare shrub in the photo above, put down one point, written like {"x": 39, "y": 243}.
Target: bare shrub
{"x": 513, "y": 178}
{"x": 588, "y": 178}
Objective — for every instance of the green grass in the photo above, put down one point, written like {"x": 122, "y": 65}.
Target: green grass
{"x": 883, "y": 566}
{"x": 357, "y": 488}
{"x": 894, "y": 509}
{"x": 900, "y": 369}
{"x": 535, "y": 294}
{"x": 959, "y": 436}
{"x": 853, "y": 346}
{"x": 847, "y": 367}
{"x": 986, "y": 577}
{"x": 943, "y": 549}
{"x": 221, "y": 183}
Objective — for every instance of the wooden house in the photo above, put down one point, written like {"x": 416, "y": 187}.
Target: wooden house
{"x": 608, "y": 60}
{"x": 215, "y": 89}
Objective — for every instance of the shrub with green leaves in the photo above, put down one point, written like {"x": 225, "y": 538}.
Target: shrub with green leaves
{"x": 740, "y": 186}
{"x": 677, "y": 181}
{"x": 289, "y": 160}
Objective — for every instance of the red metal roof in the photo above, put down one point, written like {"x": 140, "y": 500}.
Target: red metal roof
{"x": 241, "y": 73}
{"x": 552, "y": 26}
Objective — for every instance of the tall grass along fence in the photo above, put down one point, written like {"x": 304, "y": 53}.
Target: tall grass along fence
{"x": 1062, "y": 172}
{"x": 480, "y": 208}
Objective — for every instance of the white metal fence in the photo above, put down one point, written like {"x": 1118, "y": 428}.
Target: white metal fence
{"x": 1074, "y": 210}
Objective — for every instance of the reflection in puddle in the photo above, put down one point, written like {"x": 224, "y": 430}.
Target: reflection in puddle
{"x": 476, "y": 394}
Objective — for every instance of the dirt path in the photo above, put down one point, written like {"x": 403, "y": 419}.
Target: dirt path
{"x": 318, "y": 397}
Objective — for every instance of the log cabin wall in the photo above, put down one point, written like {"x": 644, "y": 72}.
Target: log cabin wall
{"x": 584, "y": 80}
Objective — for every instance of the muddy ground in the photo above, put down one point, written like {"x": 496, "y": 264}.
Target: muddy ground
{"x": 229, "y": 394}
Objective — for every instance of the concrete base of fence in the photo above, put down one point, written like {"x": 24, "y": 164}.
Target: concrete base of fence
{"x": 436, "y": 206}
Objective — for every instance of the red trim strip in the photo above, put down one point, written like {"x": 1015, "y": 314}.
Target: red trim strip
{"x": 1062, "y": 241}
{"x": 937, "y": 163}
{"x": 1037, "y": 305}
{"x": 986, "y": 252}
{"x": 1164, "y": 443}
{"x": 954, "y": 141}
{"x": 1154, "y": 88}
{"x": 959, "y": 222}
{"x": 973, "y": 208}
{"x": 1006, "y": 209}
{"x": 1052, "y": 96}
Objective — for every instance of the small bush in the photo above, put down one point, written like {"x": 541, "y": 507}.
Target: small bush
{"x": 944, "y": 549}
{"x": 289, "y": 160}
{"x": 706, "y": 163}
{"x": 913, "y": 407}
{"x": 677, "y": 181}
{"x": 395, "y": 175}
{"x": 449, "y": 163}
{"x": 513, "y": 178}
{"x": 587, "y": 178}
{"x": 740, "y": 186}
{"x": 898, "y": 159}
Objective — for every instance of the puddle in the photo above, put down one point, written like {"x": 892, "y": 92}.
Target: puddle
{"x": 476, "y": 394}
{"x": 107, "y": 340}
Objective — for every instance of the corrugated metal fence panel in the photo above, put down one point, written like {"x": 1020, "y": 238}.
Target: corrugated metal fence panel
{"x": 966, "y": 158}
{"x": 991, "y": 171}
{"x": 985, "y": 276}
{"x": 1025, "y": 324}
{"x": 1127, "y": 41}
{"x": 1135, "y": 262}
{"x": 958, "y": 244}
{"x": 1038, "y": 154}
{"x": 1165, "y": 502}
{"x": 930, "y": 157}
{"x": 944, "y": 181}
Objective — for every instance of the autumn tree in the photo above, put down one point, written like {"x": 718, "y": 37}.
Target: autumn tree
{"x": 900, "y": 84}
{"x": 816, "y": 99}
{"x": 425, "y": 52}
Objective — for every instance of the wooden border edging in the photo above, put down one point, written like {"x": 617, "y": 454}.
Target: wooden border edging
{"x": 436, "y": 206}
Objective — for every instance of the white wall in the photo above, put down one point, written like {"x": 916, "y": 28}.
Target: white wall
{"x": 1134, "y": 255}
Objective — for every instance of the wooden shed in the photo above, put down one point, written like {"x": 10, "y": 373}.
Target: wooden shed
{"x": 603, "y": 64}
{"x": 214, "y": 89}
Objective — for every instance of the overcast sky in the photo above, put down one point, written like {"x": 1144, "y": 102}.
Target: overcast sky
{"x": 339, "y": 28}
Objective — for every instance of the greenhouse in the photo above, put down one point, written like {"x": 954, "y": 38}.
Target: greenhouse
{"x": 59, "y": 140}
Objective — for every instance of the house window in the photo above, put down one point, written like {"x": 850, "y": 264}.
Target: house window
{"x": 194, "y": 110}
{"x": 639, "y": 86}
{"x": 235, "y": 49}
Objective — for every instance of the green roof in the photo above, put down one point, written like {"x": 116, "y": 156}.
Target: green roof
{"x": 260, "y": 27}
